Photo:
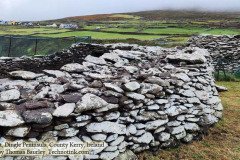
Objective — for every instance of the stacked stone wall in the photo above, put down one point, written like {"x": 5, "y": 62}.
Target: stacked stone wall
{"x": 128, "y": 97}
{"x": 221, "y": 48}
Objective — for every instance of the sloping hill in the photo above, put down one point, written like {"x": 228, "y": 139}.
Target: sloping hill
{"x": 186, "y": 15}
{"x": 157, "y": 15}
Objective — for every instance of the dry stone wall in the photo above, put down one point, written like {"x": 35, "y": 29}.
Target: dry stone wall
{"x": 220, "y": 47}
{"x": 139, "y": 98}
{"x": 53, "y": 61}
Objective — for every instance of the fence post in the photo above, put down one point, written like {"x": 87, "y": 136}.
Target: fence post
{"x": 36, "y": 43}
{"x": 10, "y": 46}
{"x": 89, "y": 39}
{"x": 75, "y": 39}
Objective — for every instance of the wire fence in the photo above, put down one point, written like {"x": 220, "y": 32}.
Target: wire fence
{"x": 16, "y": 46}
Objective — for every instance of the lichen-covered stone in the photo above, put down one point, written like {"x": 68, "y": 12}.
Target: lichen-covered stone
{"x": 106, "y": 127}
{"x": 90, "y": 102}
{"x": 10, "y": 118}
{"x": 9, "y": 95}
{"x": 64, "y": 110}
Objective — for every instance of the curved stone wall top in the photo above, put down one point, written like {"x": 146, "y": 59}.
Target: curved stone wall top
{"x": 135, "y": 99}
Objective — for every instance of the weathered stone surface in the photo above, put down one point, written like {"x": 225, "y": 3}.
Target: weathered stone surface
{"x": 18, "y": 132}
{"x": 106, "y": 127}
{"x": 83, "y": 118}
{"x": 132, "y": 86}
{"x": 131, "y": 69}
{"x": 38, "y": 104}
{"x": 89, "y": 102}
{"x": 187, "y": 93}
{"x": 10, "y": 118}
{"x": 127, "y": 155}
{"x": 42, "y": 93}
{"x": 164, "y": 136}
{"x": 99, "y": 76}
{"x": 117, "y": 141}
{"x": 107, "y": 108}
{"x": 74, "y": 67}
{"x": 153, "y": 107}
{"x": 61, "y": 127}
{"x": 96, "y": 84}
{"x": 191, "y": 126}
{"x": 202, "y": 95}
{"x": 95, "y": 60}
{"x": 113, "y": 87}
{"x": 99, "y": 137}
{"x": 150, "y": 88}
{"x": 173, "y": 111}
{"x": 37, "y": 116}
{"x": 24, "y": 75}
{"x": 111, "y": 99}
{"x": 55, "y": 73}
{"x": 69, "y": 132}
{"x": 214, "y": 100}
{"x": 57, "y": 88}
{"x": 209, "y": 119}
{"x": 112, "y": 116}
{"x": 72, "y": 98}
{"x": 145, "y": 138}
{"x": 9, "y": 95}
{"x": 111, "y": 148}
{"x": 135, "y": 96}
{"x": 189, "y": 58}
{"x": 162, "y": 101}
{"x": 132, "y": 129}
{"x": 155, "y": 124}
{"x": 221, "y": 88}
{"x": 112, "y": 57}
{"x": 182, "y": 76}
{"x": 157, "y": 80}
{"x": 176, "y": 130}
{"x": 112, "y": 137}
{"x": 64, "y": 110}
{"x": 109, "y": 155}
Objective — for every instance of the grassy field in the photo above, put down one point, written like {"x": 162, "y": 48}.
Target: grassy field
{"x": 223, "y": 141}
{"x": 115, "y": 33}
{"x": 162, "y": 28}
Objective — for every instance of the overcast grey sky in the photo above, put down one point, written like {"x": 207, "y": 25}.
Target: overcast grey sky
{"x": 52, "y": 9}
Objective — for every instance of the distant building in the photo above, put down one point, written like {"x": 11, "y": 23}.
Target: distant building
{"x": 2, "y": 22}
{"x": 54, "y": 25}
{"x": 13, "y": 23}
{"x": 68, "y": 26}
{"x": 27, "y": 24}
{"x": 98, "y": 28}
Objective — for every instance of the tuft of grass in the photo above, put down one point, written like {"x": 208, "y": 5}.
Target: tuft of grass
{"x": 223, "y": 141}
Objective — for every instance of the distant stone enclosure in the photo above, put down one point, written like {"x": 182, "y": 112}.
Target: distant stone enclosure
{"x": 129, "y": 97}
{"x": 226, "y": 48}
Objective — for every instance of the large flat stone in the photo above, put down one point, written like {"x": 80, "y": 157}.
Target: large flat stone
{"x": 89, "y": 102}
{"x": 10, "y": 118}
{"x": 106, "y": 127}
{"x": 9, "y": 95}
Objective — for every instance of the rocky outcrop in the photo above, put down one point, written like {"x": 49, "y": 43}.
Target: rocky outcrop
{"x": 221, "y": 47}
{"x": 137, "y": 99}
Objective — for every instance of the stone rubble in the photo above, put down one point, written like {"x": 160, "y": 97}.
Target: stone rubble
{"x": 133, "y": 98}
